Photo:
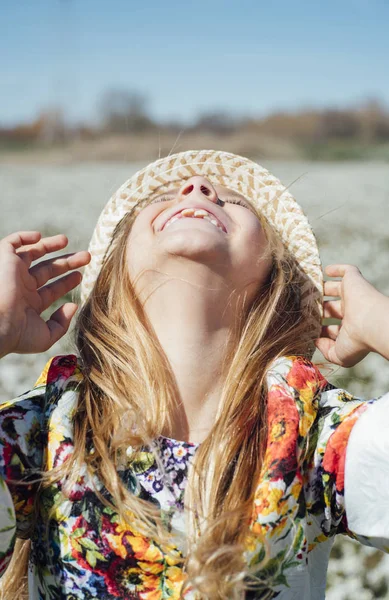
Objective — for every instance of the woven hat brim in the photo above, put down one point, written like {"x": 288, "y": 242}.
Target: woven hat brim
{"x": 237, "y": 173}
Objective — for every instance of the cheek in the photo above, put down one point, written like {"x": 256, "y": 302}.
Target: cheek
{"x": 255, "y": 252}
{"x": 136, "y": 249}
{"x": 141, "y": 229}
{"x": 254, "y": 237}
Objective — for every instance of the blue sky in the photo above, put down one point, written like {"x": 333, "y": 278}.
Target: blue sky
{"x": 246, "y": 56}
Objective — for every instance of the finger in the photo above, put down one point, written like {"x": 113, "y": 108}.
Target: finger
{"x": 332, "y": 309}
{"x": 59, "y": 321}
{"x": 54, "y": 267}
{"x": 55, "y": 290}
{"x": 332, "y": 288}
{"x": 339, "y": 270}
{"x": 44, "y": 246}
{"x": 330, "y": 331}
{"x": 21, "y": 238}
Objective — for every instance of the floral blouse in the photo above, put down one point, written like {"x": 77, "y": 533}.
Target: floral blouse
{"x": 308, "y": 491}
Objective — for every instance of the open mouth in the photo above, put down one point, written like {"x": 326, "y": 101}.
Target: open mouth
{"x": 196, "y": 213}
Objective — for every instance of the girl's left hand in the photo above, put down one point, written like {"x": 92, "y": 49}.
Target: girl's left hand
{"x": 358, "y": 310}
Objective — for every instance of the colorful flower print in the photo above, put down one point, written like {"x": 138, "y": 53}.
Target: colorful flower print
{"x": 81, "y": 549}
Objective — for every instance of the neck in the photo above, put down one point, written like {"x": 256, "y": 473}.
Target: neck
{"x": 195, "y": 322}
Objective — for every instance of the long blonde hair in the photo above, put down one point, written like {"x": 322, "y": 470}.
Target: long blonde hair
{"x": 127, "y": 398}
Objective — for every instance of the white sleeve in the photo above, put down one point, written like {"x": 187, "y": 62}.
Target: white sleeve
{"x": 366, "y": 486}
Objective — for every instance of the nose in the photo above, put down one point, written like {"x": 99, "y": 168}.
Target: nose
{"x": 198, "y": 186}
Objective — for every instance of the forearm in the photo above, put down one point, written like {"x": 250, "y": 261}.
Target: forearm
{"x": 376, "y": 327}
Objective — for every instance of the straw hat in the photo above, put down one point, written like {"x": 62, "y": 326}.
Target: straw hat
{"x": 239, "y": 174}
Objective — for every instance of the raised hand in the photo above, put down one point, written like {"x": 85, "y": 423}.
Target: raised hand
{"x": 25, "y": 292}
{"x": 363, "y": 312}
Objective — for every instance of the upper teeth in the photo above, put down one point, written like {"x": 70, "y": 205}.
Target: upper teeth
{"x": 194, "y": 212}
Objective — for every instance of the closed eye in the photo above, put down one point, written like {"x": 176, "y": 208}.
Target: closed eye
{"x": 229, "y": 200}
{"x": 236, "y": 201}
{"x": 161, "y": 199}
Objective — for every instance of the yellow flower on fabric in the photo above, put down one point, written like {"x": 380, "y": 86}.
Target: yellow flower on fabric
{"x": 55, "y": 437}
{"x": 152, "y": 593}
{"x": 151, "y": 568}
{"x": 62, "y": 511}
{"x": 296, "y": 489}
{"x": 306, "y": 379}
{"x": 259, "y": 530}
{"x": 175, "y": 574}
{"x": 276, "y": 431}
{"x": 43, "y": 376}
{"x": 174, "y": 580}
{"x": 306, "y": 396}
{"x": 306, "y": 421}
{"x": 173, "y": 558}
{"x": 268, "y": 500}
{"x": 115, "y": 542}
{"x": 279, "y": 528}
{"x": 144, "y": 550}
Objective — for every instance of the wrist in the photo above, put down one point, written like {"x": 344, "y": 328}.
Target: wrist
{"x": 4, "y": 348}
{"x": 7, "y": 338}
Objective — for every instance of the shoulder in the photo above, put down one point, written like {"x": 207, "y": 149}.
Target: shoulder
{"x": 298, "y": 373}
{"x": 316, "y": 400}
{"x": 61, "y": 379}
{"x": 59, "y": 369}
{"x": 59, "y": 374}
{"x": 305, "y": 381}
{"x": 23, "y": 419}
{"x": 295, "y": 387}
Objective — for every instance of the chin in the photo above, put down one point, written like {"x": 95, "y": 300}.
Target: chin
{"x": 195, "y": 246}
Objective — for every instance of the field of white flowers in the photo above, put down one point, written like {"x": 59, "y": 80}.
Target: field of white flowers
{"x": 348, "y": 207}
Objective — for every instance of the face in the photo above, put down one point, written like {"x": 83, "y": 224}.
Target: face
{"x": 206, "y": 225}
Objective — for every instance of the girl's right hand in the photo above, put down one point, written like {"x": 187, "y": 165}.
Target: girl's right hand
{"x": 25, "y": 293}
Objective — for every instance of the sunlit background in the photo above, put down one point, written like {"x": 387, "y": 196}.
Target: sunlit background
{"x": 93, "y": 90}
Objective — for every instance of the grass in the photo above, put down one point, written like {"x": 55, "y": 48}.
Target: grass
{"x": 338, "y": 150}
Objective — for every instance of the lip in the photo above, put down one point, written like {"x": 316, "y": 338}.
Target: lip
{"x": 197, "y": 205}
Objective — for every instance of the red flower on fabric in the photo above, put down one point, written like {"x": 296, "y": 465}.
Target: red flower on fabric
{"x": 304, "y": 374}
{"x": 121, "y": 575}
{"x": 283, "y": 419}
{"x": 335, "y": 454}
{"x": 61, "y": 367}
{"x": 121, "y": 558}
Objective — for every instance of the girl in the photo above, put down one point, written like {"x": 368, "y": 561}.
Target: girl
{"x": 190, "y": 449}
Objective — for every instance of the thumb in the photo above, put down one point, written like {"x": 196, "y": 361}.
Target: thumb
{"x": 60, "y": 320}
{"x": 327, "y": 348}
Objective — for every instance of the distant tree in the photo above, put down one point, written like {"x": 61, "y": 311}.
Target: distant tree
{"x": 125, "y": 111}
{"x": 335, "y": 124}
{"x": 300, "y": 126}
{"x": 374, "y": 121}
{"x": 50, "y": 126}
{"x": 219, "y": 122}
